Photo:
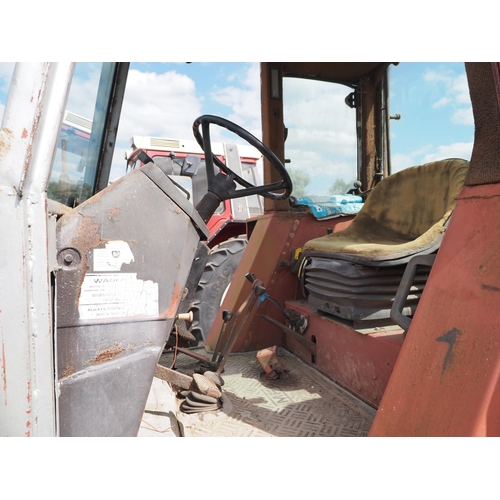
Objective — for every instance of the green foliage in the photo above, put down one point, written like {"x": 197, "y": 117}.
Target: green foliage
{"x": 300, "y": 181}
{"x": 67, "y": 193}
{"x": 340, "y": 187}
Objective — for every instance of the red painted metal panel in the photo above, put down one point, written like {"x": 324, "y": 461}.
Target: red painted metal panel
{"x": 446, "y": 379}
{"x": 362, "y": 363}
{"x": 273, "y": 238}
{"x": 218, "y": 220}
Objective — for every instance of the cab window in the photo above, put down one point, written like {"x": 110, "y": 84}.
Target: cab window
{"x": 320, "y": 147}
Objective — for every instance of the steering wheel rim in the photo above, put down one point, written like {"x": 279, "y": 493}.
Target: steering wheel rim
{"x": 265, "y": 190}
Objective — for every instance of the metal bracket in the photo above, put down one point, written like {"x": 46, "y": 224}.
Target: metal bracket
{"x": 404, "y": 289}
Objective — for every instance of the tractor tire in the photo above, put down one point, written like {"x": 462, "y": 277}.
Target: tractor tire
{"x": 217, "y": 275}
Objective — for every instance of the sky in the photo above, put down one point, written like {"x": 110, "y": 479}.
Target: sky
{"x": 163, "y": 100}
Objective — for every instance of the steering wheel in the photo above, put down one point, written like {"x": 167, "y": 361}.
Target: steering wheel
{"x": 249, "y": 189}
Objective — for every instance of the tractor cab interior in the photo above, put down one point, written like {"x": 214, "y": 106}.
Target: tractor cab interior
{"x": 341, "y": 275}
{"x": 380, "y": 294}
{"x": 379, "y": 317}
{"x": 337, "y": 292}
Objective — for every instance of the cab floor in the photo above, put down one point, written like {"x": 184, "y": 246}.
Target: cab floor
{"x": 302, "y": 403}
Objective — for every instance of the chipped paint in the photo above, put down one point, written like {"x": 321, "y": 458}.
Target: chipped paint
{"x": 113, "y": 256}
{"x": 5, "y": 141}
{"x": 132, "y": 347}
{"x": 174, "y": 301}
{"x": 88, "y": 235}
{"x": 67, "y": 371}
{"x": 108, "y": 354}
{"x": 113, "y": 212}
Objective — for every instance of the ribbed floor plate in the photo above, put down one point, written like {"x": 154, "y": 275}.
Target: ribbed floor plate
{"x": 303, "y": 403}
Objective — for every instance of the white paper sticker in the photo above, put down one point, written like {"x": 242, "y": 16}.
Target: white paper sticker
{"x": 113, "y": 256}
{"x": 117, "y": 295}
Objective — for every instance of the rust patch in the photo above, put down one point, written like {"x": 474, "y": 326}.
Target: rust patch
{"x": 132, "y": 347}
{"x": 88, "y": 235}
{"x": 108, "y": 354}
{"x": 174, "y": 301}
{"x": 113, "y": 212}
{"x": 5, "y": 140}
{"x": 27, "y": 160}
{"x": 67, "y": 371}
{"x": 24, "y": 135}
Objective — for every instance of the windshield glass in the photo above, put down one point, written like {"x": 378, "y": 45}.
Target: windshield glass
{"x": 431, "y": 119}
{"x": 163, "y": 99}
{"x": 321, "y": 141}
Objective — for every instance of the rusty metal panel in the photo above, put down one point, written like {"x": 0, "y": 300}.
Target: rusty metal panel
{"x": 273, "y": 128}
{"x": 348, "y": 73}
{"x": 270, "y": 246}
{"x": 360, "y": 362}
{"x": 124, "y": 258}
{"x": 446, "y": 380}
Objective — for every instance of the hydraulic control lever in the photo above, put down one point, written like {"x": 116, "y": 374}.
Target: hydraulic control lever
{"x": 296, "y": 321}
{"x": 226, "y": 316}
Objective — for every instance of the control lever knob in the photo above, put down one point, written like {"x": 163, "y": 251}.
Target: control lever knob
{"x": 226, "y": 315}
{"x": 250, "y": 277}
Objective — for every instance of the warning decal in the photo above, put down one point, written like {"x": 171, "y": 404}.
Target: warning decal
{"x": 113, "y": 256}
{"x": 117, "y": 295}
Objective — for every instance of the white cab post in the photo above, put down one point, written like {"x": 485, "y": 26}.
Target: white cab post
{"x": 28, "y": 137}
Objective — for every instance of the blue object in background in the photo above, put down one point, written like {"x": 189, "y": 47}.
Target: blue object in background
{"x": 327, "y": 207}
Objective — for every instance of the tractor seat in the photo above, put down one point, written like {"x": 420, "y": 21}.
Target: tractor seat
{"x": 405, "y": 214}
{"x": 355, "y": 273}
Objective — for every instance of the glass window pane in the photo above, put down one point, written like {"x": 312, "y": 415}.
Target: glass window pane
{"x": 321, "y": 140}
{"x": 74, "y": 168}
{"x": 435, "y": 113}
{"x": 66, "y": 183}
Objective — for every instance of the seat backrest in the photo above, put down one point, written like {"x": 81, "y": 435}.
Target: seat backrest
{"x": 411, "y": 201}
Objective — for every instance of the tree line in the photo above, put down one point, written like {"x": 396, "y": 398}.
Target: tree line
{"x": 301, "y": 180}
